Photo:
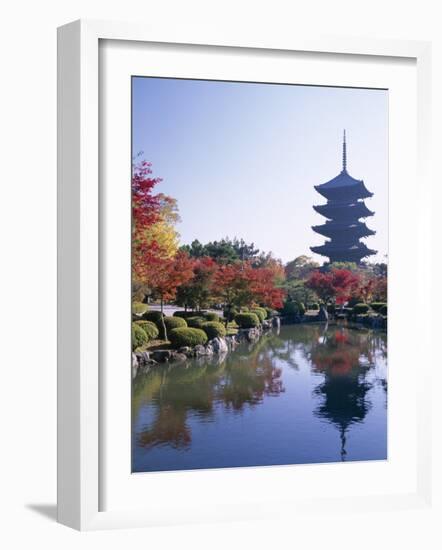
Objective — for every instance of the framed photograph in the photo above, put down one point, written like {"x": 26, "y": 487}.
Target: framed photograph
{"x": 234, "y": 231}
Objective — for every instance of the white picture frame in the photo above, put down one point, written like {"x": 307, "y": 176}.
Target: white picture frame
{"x": 80, "y": 437}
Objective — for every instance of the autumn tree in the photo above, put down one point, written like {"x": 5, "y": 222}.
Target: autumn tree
{"x": 336, "y": 285}
{"x": 198, "y": 292}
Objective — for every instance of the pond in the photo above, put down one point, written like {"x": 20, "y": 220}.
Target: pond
{"x": 305, "y": 394}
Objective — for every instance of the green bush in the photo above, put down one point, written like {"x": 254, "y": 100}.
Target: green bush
{"x": 377, "y": 306}
{"x": 384, "y": 310}
{"x": 314, "y": 307}
{"x": 271, "y": 312}
{"x": 230, "y": 314}
{"x": 247, "y": 320}
{"x": 149, "y": 328}
{"x": 211, "y": 316}
{"x": 138, "y": 308}
{"x": 153, "y": 316}
{"x": 184, "y": 314}
{"x": 174, "y": 322}
{"x": 195, "y": 322}
{"x": 139, "y": 337}
{"x": 360, "y": 309}
{"x": 186, "y": 336}
{"x": 293, "y": 308}
{"x": 260, "y": 312}
{"x": 214, "y": 329}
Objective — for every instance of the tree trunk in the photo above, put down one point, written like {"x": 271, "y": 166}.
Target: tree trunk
{"x": 163, "y": 324}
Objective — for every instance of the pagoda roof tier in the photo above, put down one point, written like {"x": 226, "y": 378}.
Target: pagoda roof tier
{"x": 343, "y": 211}
{"x": 356, "y": 229}
{"x": 338, "y": 253}
{"x": 343, "y": 187}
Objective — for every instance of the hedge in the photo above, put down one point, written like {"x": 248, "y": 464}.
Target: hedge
{"x": 360, "y": 309}
{"x": 138, "y": 308}
{"x": 174, "y": 322}
{"x": 195, "y": 322}
{"x": 149, "y": 328}
{"x": 214, "y": 329}
{"x": 184, "y": 314}
{"x": 247, "y": 320}
{"x": 185, "y": 336}
{"x": 212, "y": 316}
{"x": 260, "y": 312}
{"x": 230, "y": 314}
{"x": 139, "y": 337}
{"x": 377, "y": 306}
{"x": 293, "y": 308}
{"x": 153, "y": 316}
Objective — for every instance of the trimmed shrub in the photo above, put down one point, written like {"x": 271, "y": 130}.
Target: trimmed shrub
{"x": 360, "y": 309}
{"x": 195, "y": 322}
{"x": 260, "y": 312}
{"x": 138, "y": 308}
{"x": 293, "y": 308}
{"x": 247, "y": 320}
{"x": 230, "y": 314}
{"x": 139, "y": 337}
{"x": 384, "y": 310}
{"x": 184, "y": 314}
{"x": 377, "y": 306}
{"x": 211, "y": 316}
{"x": 174, "y": 322}
{"x": 314, "y": 307}
{"x": 186, "y": 336}
{"x": 214, "y": 329}
{"x": 153, "y": 316}
{"x": 149, "y": 328}
{"x": 271, "y": 312}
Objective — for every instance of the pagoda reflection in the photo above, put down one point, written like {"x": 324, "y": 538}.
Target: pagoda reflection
{"x": 343, "y": 358}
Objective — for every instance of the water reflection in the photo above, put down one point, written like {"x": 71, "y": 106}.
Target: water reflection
{"x": 327, "y": 375}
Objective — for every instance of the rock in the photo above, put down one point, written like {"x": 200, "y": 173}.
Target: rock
{"x": 201, "y": 351}
{"x": 143, "y": 357}
{"x": 323, "y": 314}
{"x": 219, "y": 345}
{"x": 134, "y": 361}
{"x": 161, "y": 355}
{"x": 276, "y": 322}
{"x": 267, "y": 324}
{"x": 186, "y": 350}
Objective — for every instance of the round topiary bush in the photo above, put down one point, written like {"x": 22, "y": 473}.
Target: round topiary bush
{"x": 153, "y": 316}
{"x": 139, "y": 337}
{"x": 174, "y": 322}
{"x": 211, "y": 316}
{"x": 247, "y": 320}
{"x": 293, "y": 308}
{"x": 186, "y": 336}
{"x": 261, "y": 310}
{"x": 360, "y": 309}
{"x": 138, "y": 308}
{"x": 184, "y": 314}
{"x": 149, "y": 328}
{"x": 377, "y": 306}
{"x": 230, "y": 314}
{"x": 214, "y": 329}
{"x": 259, "y": 313}
{"x": 195, "y": 322}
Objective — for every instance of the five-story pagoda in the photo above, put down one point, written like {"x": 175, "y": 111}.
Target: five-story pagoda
{"x": 344, "y": 209}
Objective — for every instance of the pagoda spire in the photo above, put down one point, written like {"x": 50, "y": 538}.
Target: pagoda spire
{"x": 344, "y": 155}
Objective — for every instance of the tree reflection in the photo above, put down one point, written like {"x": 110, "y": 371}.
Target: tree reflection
{"x": 176, "y": 393}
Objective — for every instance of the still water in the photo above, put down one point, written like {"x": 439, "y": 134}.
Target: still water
{"x": 306, "y": 394}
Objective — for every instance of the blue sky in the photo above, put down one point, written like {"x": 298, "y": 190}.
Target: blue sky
{"x": 242, "y": 158}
